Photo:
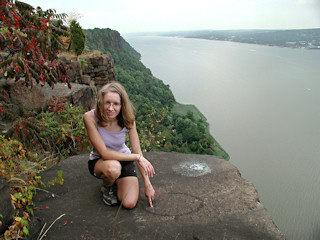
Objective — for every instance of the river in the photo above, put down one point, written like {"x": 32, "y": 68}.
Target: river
{"x": 262, "y": 104}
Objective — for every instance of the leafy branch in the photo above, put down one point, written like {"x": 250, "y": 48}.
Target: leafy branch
{"x": 30, "y": 39}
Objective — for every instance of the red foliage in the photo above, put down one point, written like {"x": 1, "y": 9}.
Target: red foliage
{"x": 31, "y": 40}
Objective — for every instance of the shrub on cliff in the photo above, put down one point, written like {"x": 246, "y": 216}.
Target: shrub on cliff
{"x": 20, "y": 168}
{"x": 77, "y": 42}
{"x": 30, "y": 39}
{"x": 59, "y": 131}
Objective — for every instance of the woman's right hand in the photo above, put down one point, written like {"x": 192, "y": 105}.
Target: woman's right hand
{"x": 146, "y": 165}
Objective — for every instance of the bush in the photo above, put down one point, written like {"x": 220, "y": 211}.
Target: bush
{"x": 77, "y": 38}
{"x": 19, "y": 167}
{"x": 59, "y": 131}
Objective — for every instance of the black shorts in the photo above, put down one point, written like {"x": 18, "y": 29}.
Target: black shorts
{"x": 128, "y": 168}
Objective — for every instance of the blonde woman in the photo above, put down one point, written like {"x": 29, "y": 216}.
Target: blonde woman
{"x": 110, "y": 159}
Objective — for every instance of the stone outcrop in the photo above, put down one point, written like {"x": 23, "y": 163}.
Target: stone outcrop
{"x": 197, "y": 197}
{"x": 16, "y": 97}
{"x": 21, "y": 96}
{"x": 74, "y": 69}
{"x": 100, "y": 69}
{"x": 27, "y": 97}
{"x": 85, "y": 81}
{"x": 6, "y": 209}
{"x": 79, "y": 95}
{"x": 96, "y": 69}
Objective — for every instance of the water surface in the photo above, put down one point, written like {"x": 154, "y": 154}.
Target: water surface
{"x": 262, "y": 104}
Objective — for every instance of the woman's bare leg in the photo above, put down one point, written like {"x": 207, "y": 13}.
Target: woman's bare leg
{"x": 128, "y": 191}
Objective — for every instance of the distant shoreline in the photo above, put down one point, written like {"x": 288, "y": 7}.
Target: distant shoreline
{"x": 296, "y": 38}
{"x": 280, "y": 46}
{"x": 307, "y": 48}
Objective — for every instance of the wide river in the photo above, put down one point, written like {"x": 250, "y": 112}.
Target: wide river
{"x": 263, "y": 107}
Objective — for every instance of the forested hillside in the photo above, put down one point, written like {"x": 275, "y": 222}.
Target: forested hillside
{"x": 160, "y": 128}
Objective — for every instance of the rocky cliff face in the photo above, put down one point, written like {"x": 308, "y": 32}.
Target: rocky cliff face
{"x": 86, "y": 80}
{"x": 100, "y": 69}
{"x": 103, "y": 39}
{"x": 96, "y": 69}
{"x": 116, "y": 40}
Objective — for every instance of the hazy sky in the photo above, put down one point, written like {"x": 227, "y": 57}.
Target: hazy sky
{"x": 146, "y": 15}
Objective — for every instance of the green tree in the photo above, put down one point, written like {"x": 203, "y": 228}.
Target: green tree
{"x": 77, "y": 43}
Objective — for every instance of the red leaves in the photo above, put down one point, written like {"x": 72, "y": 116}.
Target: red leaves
{"x": 41, "y": 79}
{"x": 57, "y": 104}
{"x": 28, "y": 34}
{"x": 44, "y": 25}
{"x": 16, "y": 19}
{"x": 17, "y": 68}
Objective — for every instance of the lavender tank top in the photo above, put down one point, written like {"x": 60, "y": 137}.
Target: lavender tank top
{"x": 113, "y": 140}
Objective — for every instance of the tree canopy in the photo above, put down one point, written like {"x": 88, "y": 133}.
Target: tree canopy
{"x": 77, "y": 42}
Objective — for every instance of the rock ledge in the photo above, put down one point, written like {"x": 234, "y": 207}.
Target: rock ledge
{"x": 198, "y": 197}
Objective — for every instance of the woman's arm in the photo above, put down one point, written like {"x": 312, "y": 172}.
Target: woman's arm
{"x": 144, "y": 166}
{"x": 99, "y": 145}
{"x": 135, "y": 145}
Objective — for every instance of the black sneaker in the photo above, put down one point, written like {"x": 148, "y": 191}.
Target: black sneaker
{"x": 109, "y": 195}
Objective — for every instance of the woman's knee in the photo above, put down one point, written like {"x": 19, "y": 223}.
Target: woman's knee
{"x": 129, "y": 203}
{"x": 114, "y": 170}
{"x": 111, "y": 169}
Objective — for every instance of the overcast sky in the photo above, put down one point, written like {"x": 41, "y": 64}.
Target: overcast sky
{"x": 149, "y": 16}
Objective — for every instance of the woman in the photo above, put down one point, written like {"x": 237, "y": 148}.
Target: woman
{"x": 111, "y": 160}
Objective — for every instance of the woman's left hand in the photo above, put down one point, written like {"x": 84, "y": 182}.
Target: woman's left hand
{"x": 150, "y": 193}
{"x": 146, "y": 165}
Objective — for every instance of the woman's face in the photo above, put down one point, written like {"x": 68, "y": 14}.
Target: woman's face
{"x": 112, "y": 104}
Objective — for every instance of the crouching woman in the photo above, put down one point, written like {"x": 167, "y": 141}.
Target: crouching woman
{"x": 110, "y": 159}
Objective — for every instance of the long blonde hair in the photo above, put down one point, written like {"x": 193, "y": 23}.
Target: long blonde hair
{"x": 126, "y": 115}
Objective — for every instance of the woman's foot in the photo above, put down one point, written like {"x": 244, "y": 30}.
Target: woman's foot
{"x": 109, "y": 194}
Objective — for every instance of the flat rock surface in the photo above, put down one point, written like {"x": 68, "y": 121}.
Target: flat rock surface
{"x": 197, "y": 197}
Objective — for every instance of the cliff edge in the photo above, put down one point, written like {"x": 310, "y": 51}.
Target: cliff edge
{"x": 197, "y": 197}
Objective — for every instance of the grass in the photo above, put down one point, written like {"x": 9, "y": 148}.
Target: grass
{"x": 182, "y": 109}
{"x": 71, "y": 55}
